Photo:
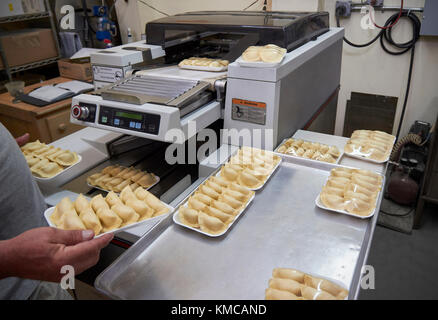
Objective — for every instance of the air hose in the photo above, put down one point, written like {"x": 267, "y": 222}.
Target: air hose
{"x": 410, "y": 138}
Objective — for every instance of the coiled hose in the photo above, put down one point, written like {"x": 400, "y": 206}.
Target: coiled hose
{"x": 410, "y": 138}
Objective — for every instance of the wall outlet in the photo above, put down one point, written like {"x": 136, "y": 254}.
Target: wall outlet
{"x": 375, "y": 3}
{"x": 343, "y": 8}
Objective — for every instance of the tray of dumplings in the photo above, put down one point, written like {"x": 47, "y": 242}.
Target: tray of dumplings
{"x": 250, "y": 167}
{"x": 309, "y": 150}
{"x": 46, "y": 162}
{"x": 214, "y": 207}
{"x": 115, "y": 178}
{"x": 353, "y": 192}
{"x": 373, "y": 146}
{"x": 291, "y": 284}
{"x": 266, "y": 56}
{"x": 204, "y": 64}
{"x": 107, "y": 214}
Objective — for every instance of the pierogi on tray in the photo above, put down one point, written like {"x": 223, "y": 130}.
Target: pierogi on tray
{"x": 47, "y": 161}
{"x": 291, "y": 284}
{"x": 107, "y": 214}
{"x": 351, "y": 190}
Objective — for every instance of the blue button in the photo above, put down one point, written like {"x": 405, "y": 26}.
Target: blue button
{"x": 132, "y": 124}
{"x": 116, "y": 121}
{"x": 138, "y": 125}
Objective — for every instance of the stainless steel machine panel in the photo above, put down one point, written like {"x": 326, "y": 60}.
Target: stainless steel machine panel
{"x": 281, "y": 228}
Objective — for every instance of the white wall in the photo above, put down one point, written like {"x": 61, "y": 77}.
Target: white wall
{"x": 368, "y": 70}
{"x": 371, "y": 70}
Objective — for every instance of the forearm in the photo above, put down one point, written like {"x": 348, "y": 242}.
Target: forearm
{"x": 6, "y": 252}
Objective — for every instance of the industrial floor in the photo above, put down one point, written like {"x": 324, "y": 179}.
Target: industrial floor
{"x": 405, "y": 265}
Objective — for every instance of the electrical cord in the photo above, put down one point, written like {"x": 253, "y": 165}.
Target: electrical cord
{"x": 153, "y": 8}
{"x": 250, "y": 5}
{"x": 385, "y": 35}
{"x": 394, "y": 23}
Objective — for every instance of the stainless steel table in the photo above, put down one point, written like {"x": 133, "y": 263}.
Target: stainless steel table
{"x": 281, "y": 228}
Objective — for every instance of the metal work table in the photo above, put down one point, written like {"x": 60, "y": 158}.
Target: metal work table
{"x": 282, "y": 227}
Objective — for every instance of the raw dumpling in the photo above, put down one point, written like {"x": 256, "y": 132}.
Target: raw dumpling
{"x": 127, "y": 214}
{"x": 209, "y": 192}
{"x": 251, "y": 54}
{"x": 196, "y": 204}
{"x": 48, "y": 170}
{"x": 147, "y": 180}
{"x": 220, "y": 181}
{"x": 110, "y": 220}
{"x": 275, "y": 294}
{"x": 228, "y": 173}
{"x": 90, "y": 220}
{"x": 203, "y": 198}
{"x": 81, "y": 203}
{"x": 236, "y": 195}
{"x": 61, "y": 208}
{"x": 224, "y": 207}
{"x": 289, "y": 285}
{"x": 155, "y": 203}
{"x": 359, "y": 207}
{"x": 211, "y": 225}
{"x": 127, "y": 194}
{"x": 235, "y": 204}
{"x": 31, "y": 160}
{"x": 332, "y": 201}
{"x": 241, "y": 189}
{"x": 249, "y": 180}
{"x": 213, "y": 185}
{"x": 222, "y": 216}
{"x": 189, "y": 217}
{"x": 313, "y": 294}
{"x": 112, "y": 199}
{"x": 71, "y": 221}
{"x": 284, "y": 273}
{"x": 66, "y": 158}
{"x": 98, "y": 202}
{"x": 321, "y": 284}
{"x": 141, "y": 208}
{"x": 92, "y": 179}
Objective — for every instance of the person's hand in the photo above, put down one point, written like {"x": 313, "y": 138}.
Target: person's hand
{"x": 40, "y": 253}
{"x": 22, "y": 140}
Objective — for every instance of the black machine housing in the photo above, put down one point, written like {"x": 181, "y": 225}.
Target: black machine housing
{"x": 226, "y": 34}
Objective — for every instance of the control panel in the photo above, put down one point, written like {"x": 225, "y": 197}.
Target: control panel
{"x": 130, "y": 120}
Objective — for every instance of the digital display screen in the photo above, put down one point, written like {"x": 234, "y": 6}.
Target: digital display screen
{"x": 129, "y": 115}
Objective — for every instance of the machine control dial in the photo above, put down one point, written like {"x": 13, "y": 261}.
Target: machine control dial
{"x": 80, "y": 112}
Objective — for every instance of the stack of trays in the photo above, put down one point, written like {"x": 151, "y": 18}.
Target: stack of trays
{"x": 290, "y": 284}
{"x": 116, "y": 178}
{"x": 351, "y": 191}
{"x": 47, "y": 161}
{"x": 310, "y": 150}
{"x": 109, "y": 214}
{"x": 375, "y": 146}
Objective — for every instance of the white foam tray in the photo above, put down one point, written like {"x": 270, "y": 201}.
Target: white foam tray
{"x": 319, "y": 203}
{"x": 178, "y": 221}
{"x": 48, "y": 213}
{"x": 297, "y": 157}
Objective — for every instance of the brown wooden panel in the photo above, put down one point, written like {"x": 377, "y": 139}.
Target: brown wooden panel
{"x": 59, "y": 125}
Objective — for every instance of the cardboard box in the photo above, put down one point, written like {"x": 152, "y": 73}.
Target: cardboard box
{"x": 10, "y": 8}
{"x": 27, "y": 46}
{"x": 33, "y": 6}
{"x": 79, "y": 69}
